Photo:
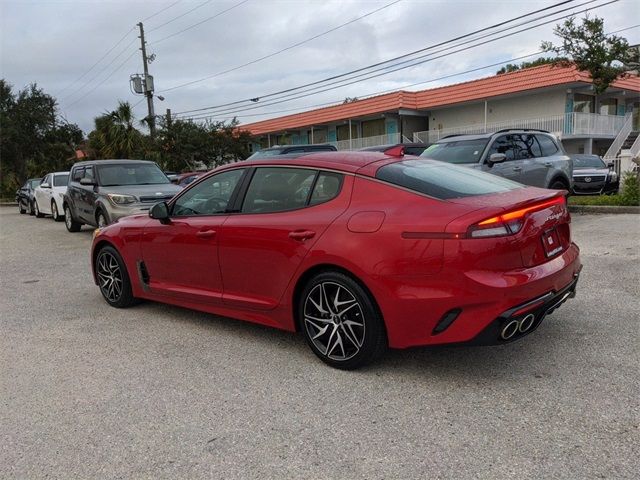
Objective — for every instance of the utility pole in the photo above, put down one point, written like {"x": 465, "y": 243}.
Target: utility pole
{"x": 148, "y": 83}
{"x": 168, "y": 117}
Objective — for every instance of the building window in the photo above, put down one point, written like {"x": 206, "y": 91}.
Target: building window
{"x": 609, "y": 106}
{"x": 583, "y": 103}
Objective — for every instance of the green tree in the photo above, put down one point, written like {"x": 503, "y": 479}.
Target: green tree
{"x": 513, "y": 67}
{"x": 34, "y": 140}
{"x": 115, "y": 135}
{"x": 587, "y": 46}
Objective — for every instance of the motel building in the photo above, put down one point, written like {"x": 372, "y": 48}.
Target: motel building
{"x": 560, "y": 100}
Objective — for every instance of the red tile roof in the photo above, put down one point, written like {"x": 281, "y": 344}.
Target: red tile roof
{"x": 544, "y": 76}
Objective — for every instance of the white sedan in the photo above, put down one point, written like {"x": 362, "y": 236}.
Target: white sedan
{"x": 49, "y": 194}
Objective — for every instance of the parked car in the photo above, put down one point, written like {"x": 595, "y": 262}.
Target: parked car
{"x": 102, "y": 191}
{"x": 24, "y": 196}
{"x": 184, "y": 179}
{"x": 409, "y": 148}
{"x": 380, "y": 251}
{"x": 531, "y": 157}
{"x": 48, "y": 195}
{"x": 289, "y": 149}
{"x": 591, "y": 176}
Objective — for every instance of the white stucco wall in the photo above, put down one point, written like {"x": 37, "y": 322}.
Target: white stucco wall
{"x": 534, "y": 105}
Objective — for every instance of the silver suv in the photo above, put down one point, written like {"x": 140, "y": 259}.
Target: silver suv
{"x": 531, "y": 157}
{"x": 102, "y": 191}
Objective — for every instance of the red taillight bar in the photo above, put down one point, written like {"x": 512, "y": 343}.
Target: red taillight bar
{"x": 516, "y": 214}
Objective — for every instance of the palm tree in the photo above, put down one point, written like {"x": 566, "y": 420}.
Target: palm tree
{"x": 115, "y": 135}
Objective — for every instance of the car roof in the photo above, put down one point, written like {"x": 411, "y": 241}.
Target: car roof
{"x": 57, "y": 173}
{"x": 110, "y": 162}
{"x": 479, "y": 136}
{"x": 344, "y": 161}
{"x": 382, "y": 148}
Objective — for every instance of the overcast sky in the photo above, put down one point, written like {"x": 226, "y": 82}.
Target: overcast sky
{"x": 54, "y": 42}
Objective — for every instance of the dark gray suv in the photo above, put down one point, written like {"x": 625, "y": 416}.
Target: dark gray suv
{"x": 102, "y": 191}
{"x": 531, "y": 157}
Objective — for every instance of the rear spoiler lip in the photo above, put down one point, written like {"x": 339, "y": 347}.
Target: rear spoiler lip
{"x": 462, "y": 223}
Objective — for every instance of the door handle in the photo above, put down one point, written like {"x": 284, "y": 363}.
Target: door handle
{"x": 517, "y": 169}
{"x": 302, "y": 235}
{"x": 548, "y": 164}
{"x": 206, "y": 234}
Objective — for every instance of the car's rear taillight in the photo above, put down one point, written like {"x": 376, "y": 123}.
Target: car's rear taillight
{"x": 510, "y": 222}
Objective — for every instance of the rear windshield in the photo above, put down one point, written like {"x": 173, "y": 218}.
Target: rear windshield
{"x": 442, "y": 180}
{"x": 60, "y": 180}
{"x": 266, "y": 153}
{"x": 588, "y": 162}
{"x": 460, "y": 151}
{"x": 131, "y": 174}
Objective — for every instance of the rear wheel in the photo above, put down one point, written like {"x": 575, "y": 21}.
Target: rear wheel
{"x": 558, "y": 185}
{"x": 37, "y": 210}
{"x": 30, "y": 208}
{"x": 21, "y": 208}
{"x": 113, "y": 278}
{"x": 54, "y": 212}
{"x": 341, "y": 322}
{"x": 69, "y": 222}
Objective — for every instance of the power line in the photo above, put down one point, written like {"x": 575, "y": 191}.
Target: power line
{"x": 179, "y": 16}
{"x": 97, "y": 62}
{"x": 160, "y": 11}
{"x": 290, "y": 47}
{"x": 379, "y": 63}
{"x": 369, "y": 95}
{"x": 201, "y": 22}
{"x": 350, "y": 81}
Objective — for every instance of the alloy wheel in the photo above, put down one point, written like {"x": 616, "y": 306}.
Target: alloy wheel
{"x": 109, "y": 276}
{"x": 334, "y": 321}
{"x": 54, "y": 211}
{"x": 102, "y": 222}
{"x": 67, "y": 218}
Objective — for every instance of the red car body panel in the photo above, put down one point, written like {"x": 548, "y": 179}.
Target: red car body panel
{"x": 409, "y": 250}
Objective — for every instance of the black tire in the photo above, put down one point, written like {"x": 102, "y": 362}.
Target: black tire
{"x": 70, "y": 223}
{"x": 21, "y": 208}
{"x": 54, "y": 212}
{"x": 113, "y": 278}
{"x": 101, "y": 219}
{"x": 558, "y": 185}
{"x": 37, "y": 212}
{"x": 349, "y": 336}
{"x": 30, "y": 210}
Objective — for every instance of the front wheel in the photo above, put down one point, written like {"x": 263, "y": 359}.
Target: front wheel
{"x": 30, "y": 208}
{"x": 21, "y": 208}
{"x": 113, "y": 278}
{"x": 37, "y": 211}
{"x": 341, "y": 322}
{"x": 558, "y": 185}
{"x": 101, "y": 220}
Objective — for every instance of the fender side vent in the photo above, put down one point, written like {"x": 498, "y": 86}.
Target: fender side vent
{"x": 144, "y": 274}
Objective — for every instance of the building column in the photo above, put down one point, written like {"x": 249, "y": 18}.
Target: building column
{"x": 588, "y": 146}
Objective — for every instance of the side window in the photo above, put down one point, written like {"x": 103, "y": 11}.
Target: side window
{"x": 525, "y": 146}
{"x": 327, "y": 187}
{"x": 210, "y": 196}
{"x": 46, "y": 179}
{"x": 77, "y": 174}
{"x": 88, "y": 173}
{"x": 278, "y": 189}
{"x": 547, "y": 144}
{"x": 504, "y": 145}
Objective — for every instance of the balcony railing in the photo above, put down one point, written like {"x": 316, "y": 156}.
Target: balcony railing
{"x": 564, "y": 125}
{"x": 357, "y": 143}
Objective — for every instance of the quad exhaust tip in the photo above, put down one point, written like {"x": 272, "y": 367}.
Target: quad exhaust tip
{"x": 514, "y": 326}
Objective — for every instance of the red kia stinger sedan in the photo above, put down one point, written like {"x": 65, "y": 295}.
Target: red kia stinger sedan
{"x": 360, "y": 251}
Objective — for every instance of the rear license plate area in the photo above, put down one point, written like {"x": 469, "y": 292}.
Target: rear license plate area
{"x": 551, "y": 242}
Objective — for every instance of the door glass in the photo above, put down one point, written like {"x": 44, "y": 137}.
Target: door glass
{"x": 525, "y": 146}
{"x": 88, "y": 173}
{"x": 77, "y": 174}
{"x": 327, "y": 187}
{"x": 504, "y": 145}
{"x": 548, "y": 146}
{"x": 210, "y": 196}
{"x": 278, "y": 189}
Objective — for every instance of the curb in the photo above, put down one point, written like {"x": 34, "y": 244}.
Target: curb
{"x": 603, "y": 209}
{"x": 8, "y": 204}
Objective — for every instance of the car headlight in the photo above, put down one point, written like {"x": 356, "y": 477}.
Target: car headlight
{"x": 613, "y": 176}
{"x": 118, "y": 199}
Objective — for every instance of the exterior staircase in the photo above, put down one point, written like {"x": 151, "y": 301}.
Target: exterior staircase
{"x": 630, "y": 140}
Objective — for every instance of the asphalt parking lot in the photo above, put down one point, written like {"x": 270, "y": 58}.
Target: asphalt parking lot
{"x": 89, "y": 391}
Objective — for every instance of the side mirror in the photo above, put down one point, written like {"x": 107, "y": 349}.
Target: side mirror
{"x": 160, "y": 211}
{"x": 610, "y": 165}
{"x": 87, "y": 181}
{"x": 45, "y": 185}
{"x": 496, "y": 158}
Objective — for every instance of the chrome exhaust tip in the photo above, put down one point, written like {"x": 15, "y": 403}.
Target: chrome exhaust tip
{"x": 526, "y": 323}
{"x": 509, "y": 330}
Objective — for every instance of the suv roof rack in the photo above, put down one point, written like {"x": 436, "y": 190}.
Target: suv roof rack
{"x": 522, "y": 130}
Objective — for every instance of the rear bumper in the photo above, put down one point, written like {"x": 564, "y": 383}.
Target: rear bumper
{"x": 520, "y": 317}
